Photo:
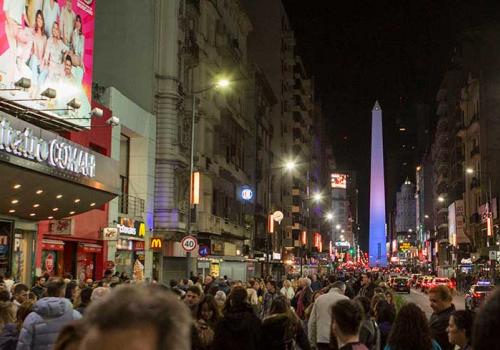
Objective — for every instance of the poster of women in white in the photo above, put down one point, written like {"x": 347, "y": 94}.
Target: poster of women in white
{"x": 49, "y": 42}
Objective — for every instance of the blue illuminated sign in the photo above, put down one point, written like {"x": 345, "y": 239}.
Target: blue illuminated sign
{"x": 246, "y": 194}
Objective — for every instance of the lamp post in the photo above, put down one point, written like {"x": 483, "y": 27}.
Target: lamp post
{"x": 289, "y": 166}
{"x": 219, "y": 84}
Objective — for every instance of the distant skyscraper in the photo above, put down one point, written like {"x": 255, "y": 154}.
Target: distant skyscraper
{"x": 377, "y": 249}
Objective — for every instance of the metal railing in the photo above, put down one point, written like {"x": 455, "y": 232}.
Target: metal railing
{"x": 130, "y": 205}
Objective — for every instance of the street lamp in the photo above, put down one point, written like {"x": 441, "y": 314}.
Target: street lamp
{"x": 441, "y": 199}
{"x": 338, "y": 227}
{"x": 329, "y": 216}
{"x": 221, "y": 84}
{"x": 289, "y": 166}
{"x": 317, "y": 197}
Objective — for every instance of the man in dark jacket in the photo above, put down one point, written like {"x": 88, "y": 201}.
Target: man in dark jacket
{"x": 240, "y": 328}
{"x": 441, "y": 303}
{"x": 368, "y": 287}
{"x": 50, "y": 314}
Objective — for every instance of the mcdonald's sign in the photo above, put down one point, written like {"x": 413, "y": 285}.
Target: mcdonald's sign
{"x": 156, "y": 243}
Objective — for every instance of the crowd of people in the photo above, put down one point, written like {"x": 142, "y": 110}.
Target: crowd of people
{"x": 339, "y": 311}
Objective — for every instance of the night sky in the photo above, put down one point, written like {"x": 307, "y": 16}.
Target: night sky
{"x": 392, "y": 51}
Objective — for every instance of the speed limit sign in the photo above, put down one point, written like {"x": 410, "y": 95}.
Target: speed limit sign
{"x": 189, "y": 243}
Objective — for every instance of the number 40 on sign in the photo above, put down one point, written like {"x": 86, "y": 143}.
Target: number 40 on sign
{"x": 189, "y": 243}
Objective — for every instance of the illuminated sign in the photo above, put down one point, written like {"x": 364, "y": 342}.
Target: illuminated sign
{"x": 55, "y": 153}
{"x": 246, "y": 194}
{"x": 109, "y": 234}
{"x": 342, "y": 244}
{"x": 339, "y": 180}
{"x": 195, "y": 191}
{"x": 131, "y": 227}
{"x": 404, "y": 246}
{"x": 317, "y": 241}
{"x": 156, "y": 243}
{"x": 64, "y": 64}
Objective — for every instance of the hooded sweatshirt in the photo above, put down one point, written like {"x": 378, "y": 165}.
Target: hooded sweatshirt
{"x": 41, "y": 327}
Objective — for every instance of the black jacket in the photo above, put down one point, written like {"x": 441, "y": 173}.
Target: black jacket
{"x": 438, "y": 324}
{"x": 281, "y": 331}
{"x": 239, "y": 329}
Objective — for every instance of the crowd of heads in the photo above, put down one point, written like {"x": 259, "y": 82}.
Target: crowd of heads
{"x": 210, "y": 312}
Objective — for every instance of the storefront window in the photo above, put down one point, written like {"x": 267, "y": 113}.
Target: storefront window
{"x": 5, "y": 242}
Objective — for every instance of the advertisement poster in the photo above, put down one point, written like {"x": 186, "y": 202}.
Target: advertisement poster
{"x": 50, "y": 43}
{"x": 339, "y": 181}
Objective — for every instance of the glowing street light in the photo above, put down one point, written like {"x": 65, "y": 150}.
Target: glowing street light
{"x": 317, "y": 197}
{"x": 469, "y": 171}
{"x": 222, "y": 83}
{"x": 290, "y": 165}
{"x": 329, "y": 216}
{"x": 338, "y": 227}
{"x": 441, "y": 199}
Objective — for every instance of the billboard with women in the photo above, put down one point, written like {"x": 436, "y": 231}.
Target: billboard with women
{"x": 49, "y": 42}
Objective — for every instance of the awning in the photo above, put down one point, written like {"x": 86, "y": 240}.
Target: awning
{"x": 56, "y": 179}
{"x": 52, "y": 244}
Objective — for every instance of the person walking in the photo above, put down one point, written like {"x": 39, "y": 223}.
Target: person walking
{"x": 460, "y": 329}
{"x": 384, "y": 316}
{"x": 208, "y": 317}
{"x": 369, "y": 333}
{"x": 441, "y": 303}
{"x": 319, "y": 324}
{"x": 346, "y": 319}
{"x": 282, "y": 329}
{"x": 239, "y": 329}
{"x": 287, "y": 290}
{"x": 50, "y": 314}
{"x": 411, "y": 331}
{"x": 367, "y": 286}
{"x": 10, "y": 333}
{"x": 269, "y": 296}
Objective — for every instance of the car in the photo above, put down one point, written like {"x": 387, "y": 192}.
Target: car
{"x": 401, "y": 284}
{"x": 477, "y": 294}
{"x": 442, "y": 281}
{"x": 413, "y": 279}
{"x": 418, "y": 283}
{"x": 426, "y": 282}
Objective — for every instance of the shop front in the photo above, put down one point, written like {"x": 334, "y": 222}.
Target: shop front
{"x": 55, "y": 194}
{"x": 130, "y": 246}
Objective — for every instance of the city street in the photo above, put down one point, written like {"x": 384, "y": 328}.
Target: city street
{"x": 422, "y": 300}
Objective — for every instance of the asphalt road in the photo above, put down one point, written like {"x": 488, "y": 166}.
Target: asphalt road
{"x": 422, "y": 300}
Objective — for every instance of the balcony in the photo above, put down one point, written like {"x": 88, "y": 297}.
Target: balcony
{"x": 216, "y": 225}
{"x": 131, "y": 206}
{"x": 171, "y": 219}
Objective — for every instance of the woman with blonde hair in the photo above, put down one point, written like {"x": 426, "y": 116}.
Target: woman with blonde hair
{"x": 7, "y": 308}
{"x": 287, "y": 290}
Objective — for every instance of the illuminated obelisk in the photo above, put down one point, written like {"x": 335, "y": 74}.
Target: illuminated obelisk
{"x": 377, "y": 249}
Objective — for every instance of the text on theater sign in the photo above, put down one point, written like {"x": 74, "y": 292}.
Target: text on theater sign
{"x": 55, "y": 153}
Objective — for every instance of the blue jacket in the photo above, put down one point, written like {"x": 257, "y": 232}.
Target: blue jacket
{"x": 41, "y": 327}
{"x": 8, "y": 338}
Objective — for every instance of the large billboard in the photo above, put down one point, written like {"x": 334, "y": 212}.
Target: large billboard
{"x": 339, "y": 180}
{"x": 50, "y": 43}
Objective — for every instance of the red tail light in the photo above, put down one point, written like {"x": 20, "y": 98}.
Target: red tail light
{"x": 476, "y": 295}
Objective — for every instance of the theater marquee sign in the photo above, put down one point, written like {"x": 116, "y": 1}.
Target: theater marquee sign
{"x": 53, "y": 152}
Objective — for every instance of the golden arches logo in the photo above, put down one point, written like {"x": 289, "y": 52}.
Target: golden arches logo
{"x": 156, "y": 243}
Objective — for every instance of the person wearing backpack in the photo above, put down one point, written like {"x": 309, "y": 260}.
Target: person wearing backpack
{"x": 369, "y": 333}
